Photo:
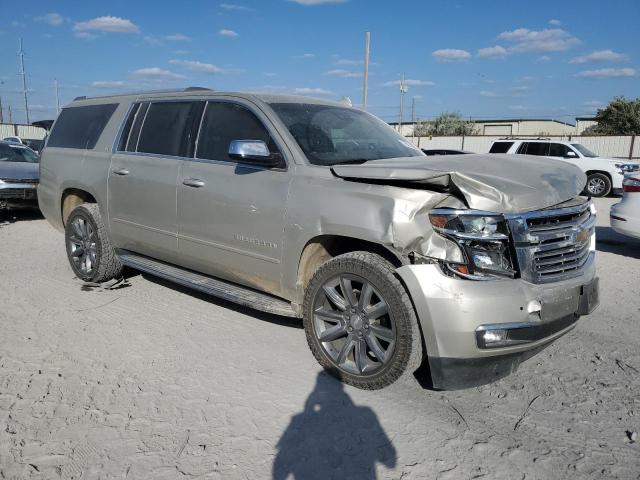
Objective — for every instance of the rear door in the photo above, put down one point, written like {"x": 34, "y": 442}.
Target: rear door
{"x": 144, "y": 174}
{"x": 230, "y": 214}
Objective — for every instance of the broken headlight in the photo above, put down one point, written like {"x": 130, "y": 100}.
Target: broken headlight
{"x": 484, "y": 239}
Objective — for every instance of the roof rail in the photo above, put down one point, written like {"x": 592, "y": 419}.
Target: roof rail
{"x": 81, "y": 97}
{"x": 195, "y": 89}
{"x": 525, "y": 138}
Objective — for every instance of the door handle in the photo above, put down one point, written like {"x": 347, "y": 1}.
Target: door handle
{"x": 193, "y": 182}
{"x": 121, "y": 171}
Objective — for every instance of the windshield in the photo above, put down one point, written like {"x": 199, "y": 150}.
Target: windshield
{"x": 331, "y": 135}
{"x": 584, "y": 150}
{"x": 17, "y": 154}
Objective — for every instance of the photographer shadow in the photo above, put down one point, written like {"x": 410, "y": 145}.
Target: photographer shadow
{"x": 332, "y": 438}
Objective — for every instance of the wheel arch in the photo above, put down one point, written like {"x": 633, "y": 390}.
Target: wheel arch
{"x": 70, "y": 198}
{"x": 321, "y": 248}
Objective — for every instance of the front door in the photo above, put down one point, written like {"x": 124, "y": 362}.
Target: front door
{"x": 144, "y": 175}
{"x": 231, "y": 215}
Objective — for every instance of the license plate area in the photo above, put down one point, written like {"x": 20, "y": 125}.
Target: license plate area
{"x": 589, "y": 297}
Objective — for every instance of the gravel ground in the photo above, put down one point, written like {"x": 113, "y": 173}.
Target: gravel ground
{"x": 150, "y": 380}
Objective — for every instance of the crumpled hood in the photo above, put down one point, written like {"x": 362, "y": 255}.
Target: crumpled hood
{"x": 495, "y": 183}
{"x": 19, "y": 171}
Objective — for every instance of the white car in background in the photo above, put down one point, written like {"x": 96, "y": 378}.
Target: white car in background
{"x": 604, "y": 175}
{"x": 625, "y": 216}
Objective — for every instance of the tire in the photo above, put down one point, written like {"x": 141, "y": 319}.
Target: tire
{"x": 360, "y": 323}
{"x": 86, "y": 238}
{"x": 598, "y": 185}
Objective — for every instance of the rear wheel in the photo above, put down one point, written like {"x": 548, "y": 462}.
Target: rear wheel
{"x": 90, "y": 254}
{"x": 598, "y": 185}
{"x": 360, "y": 323}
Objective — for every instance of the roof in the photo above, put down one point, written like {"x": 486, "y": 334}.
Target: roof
{"x": 204, "y": 93}
{"x": 502, "y": 120}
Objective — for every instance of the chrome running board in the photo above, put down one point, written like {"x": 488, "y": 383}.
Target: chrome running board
{"x": 212, "y": 286}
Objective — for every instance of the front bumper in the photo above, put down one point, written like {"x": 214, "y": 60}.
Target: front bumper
{"x": 452, "y": 311}
{"x": 18, "y": 195}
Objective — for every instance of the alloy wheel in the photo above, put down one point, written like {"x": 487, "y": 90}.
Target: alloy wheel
{"x": 596, "y": 186}
{"x": 353, "y": 325}
{"x": 82, "y": 245}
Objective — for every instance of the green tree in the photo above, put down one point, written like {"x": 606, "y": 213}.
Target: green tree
{"x": 620, "y": 117}
{"x": 447, "y": 123}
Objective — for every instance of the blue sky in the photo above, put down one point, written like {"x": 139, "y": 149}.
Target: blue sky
{"x": 488, "y": 59}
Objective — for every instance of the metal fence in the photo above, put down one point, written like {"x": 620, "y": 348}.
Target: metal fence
{"x": 623, "y": 146}
{"x": 22, "y": 131}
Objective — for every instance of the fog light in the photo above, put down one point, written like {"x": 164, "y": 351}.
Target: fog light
{"x": 493, "y": 337}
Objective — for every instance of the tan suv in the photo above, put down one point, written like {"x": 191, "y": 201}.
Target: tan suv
{"x": 312, "y": 209}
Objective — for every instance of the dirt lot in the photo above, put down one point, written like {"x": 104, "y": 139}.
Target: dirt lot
{"x": 153, "y": 381}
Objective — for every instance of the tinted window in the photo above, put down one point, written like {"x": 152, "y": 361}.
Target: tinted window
{"x": 80, "y": 127}
{"x": 169, "y": 128}
{"x": 537, "y": 148}
{"x": 558, "y": 150}
{"x": 225, "y": 122}
{"x": 500, "y": 147}
{"x": 127, "y": 127}
{"x": 134, "y": 133}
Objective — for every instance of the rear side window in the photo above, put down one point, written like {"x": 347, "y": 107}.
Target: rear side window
{"x": 170, "y": 128}
{"x": 500, "y": 147}
{"x": 537, "y": 148}
{"x": 80, "y": 127}
{"x": 224, "y": 122}
{"x": 558, "y": 150}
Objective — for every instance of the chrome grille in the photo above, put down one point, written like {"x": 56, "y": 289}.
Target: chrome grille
{"x": 553, "y": 244}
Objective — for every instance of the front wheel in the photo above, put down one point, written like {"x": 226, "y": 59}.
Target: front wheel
{"x": 360, "y": 323}
{"x": 598, "y": 185}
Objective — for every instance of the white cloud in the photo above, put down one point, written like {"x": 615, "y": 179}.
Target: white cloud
{"x": 316, "y": 2}
{"x": 410, "y": 82}
{"x": 234, "y": 7}
{"x": 608, "y": 73}
{"x": 344, "y": 73}
{"x": 108, "y": 84}
{"x": 451, "y": 55}
{"x": 306, "y": 55}
{"x": 517, "y": 108}
{"x": 601, "y": 56}
{"x": 53, "y": 19}
{"x": 487, "y": 93}
{"x": 17, "y": 24}
{"x": 107, "y": 24}
{"x": 177, "y": 37}
{"x": 544, "y": 58}
{"x": 197, "y": 66}
{"x": 270, "y": 74}
{"x": 85, "y": 35}
{"x": 492, "y": 52}
{"x": 312, "y": 91}
{"x": 555, "y": 22}
{"x": 346, "y": 61}
{"x": 548, "y": 40}
{"x": 227, "y": 33}
{"x": 156, "y": 75}
{"x": 594, "y": 104}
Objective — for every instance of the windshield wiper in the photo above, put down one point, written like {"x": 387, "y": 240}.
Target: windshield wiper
{"x": 353, "y": 161}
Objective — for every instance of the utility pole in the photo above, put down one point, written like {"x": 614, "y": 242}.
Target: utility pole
{"x": 403, "y": 90}
{"x": 55, "y": 85}
{"x": 24, "y": 81}
{"x": 413, "y": 115}
{"x": 1, "y": 116}
{"x": 10, "y": 115}
{"x": 365, "y": 88}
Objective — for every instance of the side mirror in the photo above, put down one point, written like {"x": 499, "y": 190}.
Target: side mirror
{"x": 253, "y": 151}
{"x": 571, "y": 155}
